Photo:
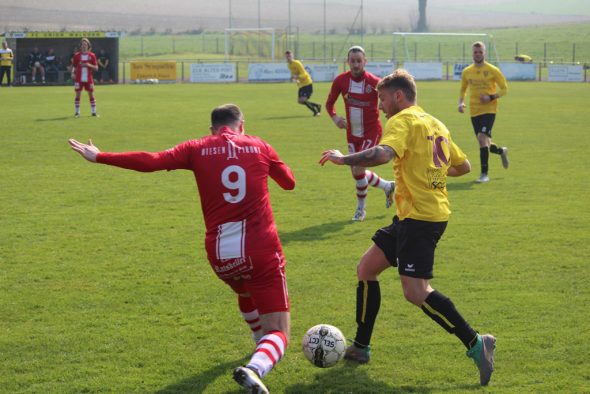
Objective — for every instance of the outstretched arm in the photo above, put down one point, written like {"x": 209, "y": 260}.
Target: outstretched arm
{"x": 87, "y": 151}
{"x": 138, "y": 161}
{"x": 375, "y": 156}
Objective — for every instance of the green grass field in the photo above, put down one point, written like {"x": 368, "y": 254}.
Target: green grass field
{"x": 105, "y": 287}
{"x": 559, "y": 43}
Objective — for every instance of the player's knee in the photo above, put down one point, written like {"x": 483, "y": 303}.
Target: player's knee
{"x": 483, "y": 140}
{"x": 365, "y": 271}
{"x": 357, "y": 171}
{"x": 413, "y": 296}
{"x": 361, "y": 272}
{"x": 276, "y": 321}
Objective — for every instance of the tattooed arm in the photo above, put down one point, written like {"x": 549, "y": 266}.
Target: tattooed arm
{"x": 375, "y": 156}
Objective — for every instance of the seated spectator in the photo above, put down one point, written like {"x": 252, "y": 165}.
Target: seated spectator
{"x": 104, "y": 66}
{"x": 68, "y": 80}
{"x": 75, "y": 49}
{"x": 61, "y": 64}
{"x": 69, "y": 77}
{"x": 51, "y": 63}
{"x": 36, "y": 65}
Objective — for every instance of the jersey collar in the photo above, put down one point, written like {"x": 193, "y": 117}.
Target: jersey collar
{"x": 224, "y": 130}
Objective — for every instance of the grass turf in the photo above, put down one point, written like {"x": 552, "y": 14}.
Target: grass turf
{"x": 104, "y": 284}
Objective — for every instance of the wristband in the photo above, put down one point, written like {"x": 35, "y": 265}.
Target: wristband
{"x": 492, "y": 97}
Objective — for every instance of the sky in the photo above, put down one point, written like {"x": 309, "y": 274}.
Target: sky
{"x": 305, "y": 15}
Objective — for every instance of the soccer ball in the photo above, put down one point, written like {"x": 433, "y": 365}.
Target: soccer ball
{"x": 324, "y": 345}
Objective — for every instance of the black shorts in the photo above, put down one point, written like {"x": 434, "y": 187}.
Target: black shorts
{"x": 483, "y": 124}
{"x": 306, "y": 91}
{"x": 409, "y": 245}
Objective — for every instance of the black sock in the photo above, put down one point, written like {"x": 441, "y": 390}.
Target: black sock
{"x": 442, "y": 310}
{"x": 484, "y": 155}
{"x": 368, "y": 301}
{"x": 310, "y": 106}
{"x": 495, "y": 149}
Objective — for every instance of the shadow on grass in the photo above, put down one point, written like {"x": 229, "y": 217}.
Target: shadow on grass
{"x": 199, "y": 383}
{"x": 350, "y": 379}
{"x": 466, "y": 185}
{"x": 287, "y": 117}
{"x": 353, "y": 378}
{"x": 325, "y": 230}
{"x": 55, "y": 119}
{"x": 462, "y": 387}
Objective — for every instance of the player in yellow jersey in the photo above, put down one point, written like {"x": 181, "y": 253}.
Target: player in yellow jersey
{"x": 304, "y": 82}
{"x": 6, "y": 57}
{"x": 486, "y": 85}
{"x": 423, "y": 155}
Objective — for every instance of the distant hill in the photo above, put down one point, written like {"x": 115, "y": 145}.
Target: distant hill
{"x": 378, "y": 16}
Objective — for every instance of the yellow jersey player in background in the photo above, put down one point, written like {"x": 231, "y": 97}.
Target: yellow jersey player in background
{"x": 6, "y": 57}
{"x": 304, "y": 83}
{"x": 486, "y": 85}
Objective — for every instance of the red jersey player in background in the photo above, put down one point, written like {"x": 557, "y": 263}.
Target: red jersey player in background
{"x": 83, "y": 65}
{"x": 362, "y": 124}
{"x": 243, "y": 247}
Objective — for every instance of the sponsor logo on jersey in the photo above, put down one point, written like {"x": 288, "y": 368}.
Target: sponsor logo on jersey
{"x": 233, "y": 150}
{"x": 357, "y": 103}
{"x": 214, "y": 150}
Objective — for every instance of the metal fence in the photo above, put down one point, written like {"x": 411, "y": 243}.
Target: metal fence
{"x": 334, "y": 47}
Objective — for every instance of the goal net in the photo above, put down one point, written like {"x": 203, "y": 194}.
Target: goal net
{"x": 440, "y": 47}
{"x": 258, "y": 43}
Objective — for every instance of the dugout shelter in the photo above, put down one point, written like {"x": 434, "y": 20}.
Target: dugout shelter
{"x": 64, "y": 45}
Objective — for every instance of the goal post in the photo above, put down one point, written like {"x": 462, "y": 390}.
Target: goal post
{"x": 459, "y": 39}
{"x": 262, "y": 44}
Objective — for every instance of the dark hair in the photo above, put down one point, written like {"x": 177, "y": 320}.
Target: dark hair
{"x": 402, "y": 80}
{"x": 288, "y": 53}
{"x": 356, "y": 49}
{"x": 225, "y": 115}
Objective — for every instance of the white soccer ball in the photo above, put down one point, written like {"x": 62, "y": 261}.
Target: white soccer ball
{"x": 324, "y": 345}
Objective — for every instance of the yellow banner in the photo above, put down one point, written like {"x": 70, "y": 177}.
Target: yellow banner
{"x": 65, "y": 34}
{"x": 162, "y": 70}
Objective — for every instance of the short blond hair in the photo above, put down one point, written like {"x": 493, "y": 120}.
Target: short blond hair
{"x": 402, "y": 80}
{"x": 479, "y": 44}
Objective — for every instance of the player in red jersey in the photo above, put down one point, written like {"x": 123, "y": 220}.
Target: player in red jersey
{"x": 243, "y": 247}
{"x": 362, "y": 124}
{"x": 83, "y": 65}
